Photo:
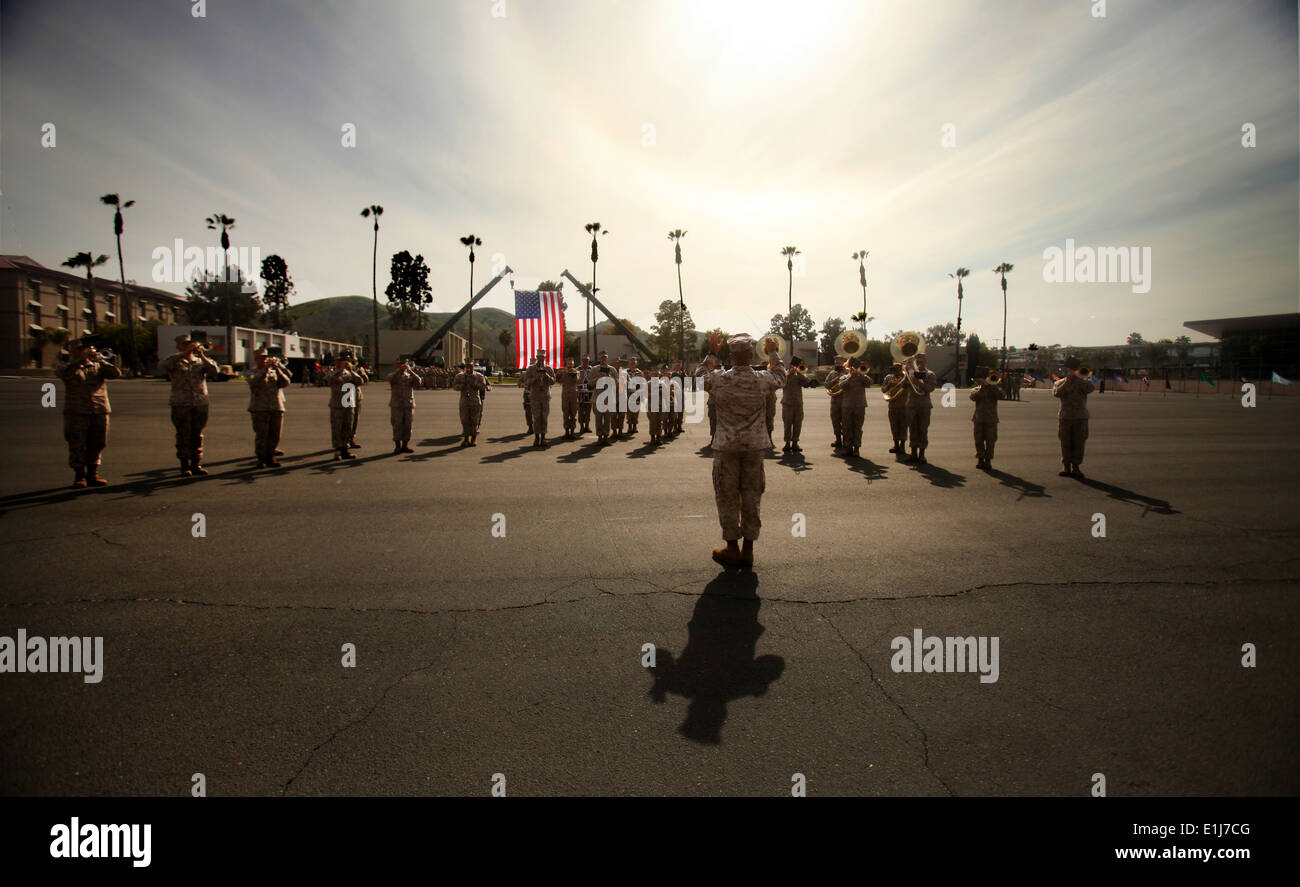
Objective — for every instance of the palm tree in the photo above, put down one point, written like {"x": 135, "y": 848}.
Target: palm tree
{"x": 676, "y": 237}
{"x": 958, "y": 275}
{"x": 375, "y": 210}
{"x": 114, "y": 201}
{"x": 594, "y": 229}
{"x": 85, "y": 260}
{"x": 223, "y": 223}
{"x": 471, "y": 241}
{"x": 790, "y": 252}
{"x": 1003, "y": 270}
{"x": 861, "y": 258}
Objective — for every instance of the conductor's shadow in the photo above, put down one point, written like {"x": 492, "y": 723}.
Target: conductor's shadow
{"x": 941, "y": 477}
{"x": 586, "y": 451}
{"x": 507, "y": 455}
{"x": 330, "y": 465}
{"x": 1020, "y": 485}
{"x": 795, "y": 462}
{"x": 1159, "y": 506}
{"x": 718, "y": 664}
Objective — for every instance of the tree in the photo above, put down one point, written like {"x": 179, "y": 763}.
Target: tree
{"x": 671, "y": 328}
{"x": 724, "y": 352}
{"x": 801, "y": 329}
{"x": 120, "y": 336}
{"x": 214, "y": 300}
{"x": 374, "y": 211}
{"x": 789, "y": 252}
{"x": 89, "y": 262}
{"x": 973, "y": 346}
{"x": 132, "y": 353}
{"x": 1135, "y": 339}
{"x": 944, "y": 334}
{"x": 831, "y": 330}
{"x": 1003, "y": 270}
{"x": 279, "y": 286}
{"x": 408, "y": 292}
{"x": 553, "y": 286}
{"x": 676, "y": 237}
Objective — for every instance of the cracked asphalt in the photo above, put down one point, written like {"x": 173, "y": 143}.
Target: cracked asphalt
{"x": 478, "y": 655}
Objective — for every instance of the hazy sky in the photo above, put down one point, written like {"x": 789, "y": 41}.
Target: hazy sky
{"x": 751, "y": 124}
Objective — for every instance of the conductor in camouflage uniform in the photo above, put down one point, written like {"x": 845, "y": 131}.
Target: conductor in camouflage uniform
{"x": 266, "y": 386}
{"x": 85, "y": 410}
{"x": 189, "y": 370}
{"x": 1072, "y": 418}
{"x": 738, "y": 449}
{"x": 471, "y": 385}
{"x": 538, "y": 380}
{"x": 401, "y": 403}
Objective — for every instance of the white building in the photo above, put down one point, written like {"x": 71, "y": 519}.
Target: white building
{"x": 248, "y": 340}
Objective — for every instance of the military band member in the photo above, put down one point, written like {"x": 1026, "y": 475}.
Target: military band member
{"x": 985, "y": 418}
{"x": 853, "y": 404}
{"x": 584, "y": 395}
{"x": 792, "y": 406}
{"x": 567, "y": 376}
{"x": 837, "y": 423}
{"x": 738, "y": 449}
{"x": 1072, "y": 418}
{"x": 616, "y": 418}
{"x": 344, "y": 382}
{"x": 656, "y": 396}
{"x": 266, "y": 386}
{"x": 635, "y": 385}
{"x": 920, "y": 382}
{"x": 897, "y": 408}
{"x": 401, "y": 403}
{"x": 472, "y": 387}
{"x": 538, "y": 380}
{"x": 710, "y": 365}
{"x": 602, "y": 370}
{"x": 678, "y": 387}
{"x": 528, "y": 404}
{"x": 189, "y": 370}
{"x": 85, "y": 410}
{"x": 363, "y": 375}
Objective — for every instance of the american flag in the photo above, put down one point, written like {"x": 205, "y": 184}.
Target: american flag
{"x": 539, "y": 323}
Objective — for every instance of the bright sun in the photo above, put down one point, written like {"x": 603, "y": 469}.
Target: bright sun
{"x": 767, "y": 30}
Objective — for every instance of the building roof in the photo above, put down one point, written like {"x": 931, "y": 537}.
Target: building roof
{"x": 28, "y": 265}
{"x": 1227, "y": 325}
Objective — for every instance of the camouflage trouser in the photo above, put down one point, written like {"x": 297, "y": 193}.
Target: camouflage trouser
{"x": 986, "y": 435}
{"x": 541, "y": 404}
{"x": 528, "y": 410}
{"x": 1073, "y": 433}
{"x": 569, "y": 405}
{"x": 738, "y": 484}
{"x": 190, "y": 422}
{"x": 616, "y": 421}
{"x": 898, "y": 423}
{"x": 851, "y": 419}
{"x": 918, "y": 423}
{"x": 792, "y": 418}
{"x": 603, "y": 422}
{"x": 632, "y": 417}
{"x": 770, "y": 408}
{"x": 584, "y": 411}
{"x": 402, "y": 416}
{"x": 656, "y": 423}
{"x": 471, "y": 411}
{"x": 356, "y": 418}
{"x": 837, "y": 418}
{"x": 266, "y": 433}
{"x": 713, "y": 418}
{"x": 87, "y": 435}
{"x": 340, "y": 426}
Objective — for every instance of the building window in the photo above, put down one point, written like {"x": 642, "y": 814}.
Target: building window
{"x": 110, "y": 304}
{"x": 34, "y": 311}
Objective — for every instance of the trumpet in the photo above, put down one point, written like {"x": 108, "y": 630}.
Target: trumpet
{"x": 1084, "y": 372}
{"x": 993, "y": 378}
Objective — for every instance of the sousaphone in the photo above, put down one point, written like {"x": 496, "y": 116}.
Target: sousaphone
{"x": 851, "y": 343}
{"x": 905, "y": 349}
{"x": 782, "y": 350}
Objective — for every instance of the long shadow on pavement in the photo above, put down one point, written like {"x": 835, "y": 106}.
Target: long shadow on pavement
{"x": 941, "y": 477}
{"x": 718, "y": 664}
{"x": 1024, "y": 487}
{"x": 1159, "y": 506}
{"x": 864, "y": 466}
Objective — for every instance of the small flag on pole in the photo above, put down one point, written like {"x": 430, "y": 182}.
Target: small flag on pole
{"x": 1279, "y": 380}
{"x": 1205, "y": 378}
{"x": 539, "y": 323}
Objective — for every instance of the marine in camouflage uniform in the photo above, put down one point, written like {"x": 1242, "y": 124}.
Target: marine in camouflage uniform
{"x": 604, "y": 417}
{"x": 738, "y": 448}
{"x": 85, "y": 411}
{"x": 918, "y": 410}
{"x": 401, "y": 404}
{"x": 837, "y": 423}
{"x": 985, "y": 418}
{"x": 1072, "y": 418}
{"x": 266, "y": 386}
{"x": 635, "y": 386}
{"x": 471, "y": 385}
{"x": 363, "y": 377}
{"x": 567, "y": 376}
{"x": 897, "y": 408}
{"x": 537, "y": 381}
{"x": 792, "y": 408}
{"x": 853, "y": 405}
{"x": 189, "y": 370}
{"x": 584, "y": 396}
{"x": 710, "y": 365}
{"x": 342, "y": 403}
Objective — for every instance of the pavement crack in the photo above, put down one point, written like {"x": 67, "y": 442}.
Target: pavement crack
{"x": 925, "y": 738}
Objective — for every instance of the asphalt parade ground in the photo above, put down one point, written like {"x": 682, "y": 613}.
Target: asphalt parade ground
{"x": 520, "y": 652}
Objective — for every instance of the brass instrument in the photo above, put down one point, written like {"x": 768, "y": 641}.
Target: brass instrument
{"x": 782, "y": 350}
{"x": 905, "y": 349}
{"x": 993, "y": 378}
{"x": 834, "y": 389}
{"x": 850, "y": 343}
{"x": 1085, "y": 372}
